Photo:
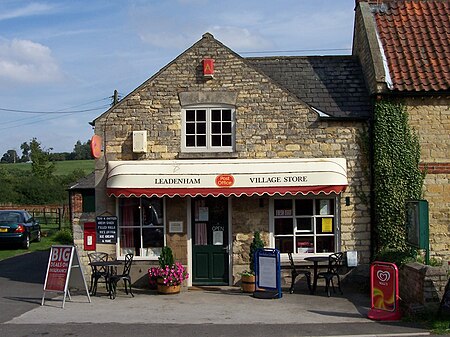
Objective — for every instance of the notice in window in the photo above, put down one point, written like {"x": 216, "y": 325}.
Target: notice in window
{"x": 327, "y": 225}
{"x": 203, "y": 214}
{"x": 324, "y": 207}
{"x": 218, "y": 238}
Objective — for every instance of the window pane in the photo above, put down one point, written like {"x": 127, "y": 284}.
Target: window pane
{"x": 283, "y": 207}
{"x": 201, "y": 128}
{"x": 190, "y": 128}
{"x": 284, "y": 226}
{"x": 130, "y": 240}
{"x": 153, "y": 237}
{"x": 190, "y": 115}
{"x": 201, "y": 115}
{"x": 325, "y": 244}
{"x": 190, "y": 141}
{"x": 215, "y": 128}
{"x": 325, "y": 207}
{"x": 304, "y": 207}
{"x": 226, "y": 127}
{"x": 226, "y": 115}
{"x": 305, "y": 244}
{"x": 201, "y": 140}
{"x": 304, "y": 224}
{"x": 284, "y": 244}
{"x": 325, "y": 225}
{"x": 215, "y": 115}
{"x": 152, "y": 214}
{"x": 226, "y": 140}
{"x": 215, "y": 141}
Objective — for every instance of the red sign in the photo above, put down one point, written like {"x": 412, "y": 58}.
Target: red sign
{"x": 96, "y": 146}
{"x": 208, "y": 67}
{"x": 384, "y": 291}
{"x": 225, "y": 180}
{"x": 58, "y": 268}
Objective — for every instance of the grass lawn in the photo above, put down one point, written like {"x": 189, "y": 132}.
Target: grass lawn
{"x": 62, "y": 167}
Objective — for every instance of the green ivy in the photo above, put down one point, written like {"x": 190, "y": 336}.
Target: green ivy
{"x": 397, "y": 176}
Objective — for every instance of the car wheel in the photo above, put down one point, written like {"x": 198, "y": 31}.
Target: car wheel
{"x": 26, "y": 242}
{"x": 38, "y": 237}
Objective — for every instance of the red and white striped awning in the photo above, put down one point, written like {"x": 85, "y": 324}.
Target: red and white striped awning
{"x": 231, "y": 177}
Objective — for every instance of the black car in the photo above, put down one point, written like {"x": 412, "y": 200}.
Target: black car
{"x": 18, "y": 227}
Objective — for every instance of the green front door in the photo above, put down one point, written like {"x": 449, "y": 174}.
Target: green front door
{"x": 210, "y": 241}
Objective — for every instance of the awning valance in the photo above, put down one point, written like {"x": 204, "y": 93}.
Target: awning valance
{"x": 226, "y": 177}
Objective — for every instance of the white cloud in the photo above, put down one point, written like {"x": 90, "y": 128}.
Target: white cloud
{"x": 239, "y": 39}
{"x": 29, "y": 10}
{"x": 25, "y": 61}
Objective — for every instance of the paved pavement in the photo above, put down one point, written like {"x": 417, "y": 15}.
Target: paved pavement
{"x": 298, "y": 314}
{"x": 224, "y": 311}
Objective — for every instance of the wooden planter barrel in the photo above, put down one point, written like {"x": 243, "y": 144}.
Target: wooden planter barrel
{"x": 165, "y": 289}
{"x": 248, "y": 283}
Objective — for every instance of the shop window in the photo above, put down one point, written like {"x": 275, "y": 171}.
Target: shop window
{"x": 141, "y": 226}
{"x": 304, "y": 225}
{"x": 208, "y": 129}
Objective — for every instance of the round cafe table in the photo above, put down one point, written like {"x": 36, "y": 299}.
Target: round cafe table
{"x": 316, "y": 260}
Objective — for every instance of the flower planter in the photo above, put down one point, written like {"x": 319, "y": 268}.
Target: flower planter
{"x": 167, "y": 290}
{"x": 248, "y": 283}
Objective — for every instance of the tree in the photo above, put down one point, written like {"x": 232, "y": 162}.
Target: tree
{"x": 10, "y": 157}
{"x": 25, "y": 152}
{"x": 40, "y": 163}
{"x": 82, "y": 151}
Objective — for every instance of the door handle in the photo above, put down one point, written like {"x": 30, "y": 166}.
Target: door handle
{"x": 226, "y": 249}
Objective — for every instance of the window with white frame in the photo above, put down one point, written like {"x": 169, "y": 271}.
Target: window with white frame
{"x": 141, "y": 226}
{"x": 208, "y": 129}
{"x": 304, "y": 225}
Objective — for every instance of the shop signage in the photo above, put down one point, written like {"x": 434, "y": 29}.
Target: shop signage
{"x": 268, "y": 273}
{"x": 61, "y": 261}
{"x": 225, "y": 180}
{"x": 106, "y": 229}
{"x": 384, "y": 291}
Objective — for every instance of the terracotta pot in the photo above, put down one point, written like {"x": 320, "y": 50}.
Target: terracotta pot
{"x": 165, "y": 289}
{"x": 248, "y": 283}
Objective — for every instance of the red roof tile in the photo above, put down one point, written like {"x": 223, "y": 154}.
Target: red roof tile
{"x": 415, "y": 35}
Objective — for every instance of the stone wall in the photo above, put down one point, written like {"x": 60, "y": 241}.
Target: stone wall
{"x": 430, "y": 119}
{"x": 421, "y": 286}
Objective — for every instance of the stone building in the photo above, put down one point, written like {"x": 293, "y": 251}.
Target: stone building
{"x": 216, "y": 146}
{"x": 404, "y": 51}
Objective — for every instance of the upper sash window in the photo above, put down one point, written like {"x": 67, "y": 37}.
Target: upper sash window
{"x": 208, "y": 129}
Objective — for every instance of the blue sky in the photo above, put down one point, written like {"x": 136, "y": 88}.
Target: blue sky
{"x": 65, "y": 57}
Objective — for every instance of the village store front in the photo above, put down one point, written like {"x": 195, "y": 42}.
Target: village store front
{"x": 200, "y": 208}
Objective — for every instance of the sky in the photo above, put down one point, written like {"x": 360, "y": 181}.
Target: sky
{"x": 61, "y": 60}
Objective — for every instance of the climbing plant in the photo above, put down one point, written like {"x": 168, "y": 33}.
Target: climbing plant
{"x": 397, "y": 176}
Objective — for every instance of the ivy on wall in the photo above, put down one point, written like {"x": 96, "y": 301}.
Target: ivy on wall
{"x": 396, "y": 173}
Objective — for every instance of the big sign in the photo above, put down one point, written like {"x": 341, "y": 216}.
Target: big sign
{"x": 58, "y": 268}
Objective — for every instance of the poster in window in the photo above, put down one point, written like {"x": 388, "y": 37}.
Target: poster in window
{"x": 203, "y": 214}
{"x": 327, "y": 225}
{"x": 324, "y": 207}
{"x": 218, "y": 238}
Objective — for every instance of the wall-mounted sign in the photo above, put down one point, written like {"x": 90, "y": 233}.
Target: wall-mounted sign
{"x": 176, "y": 227}
{"x": 208, "y": 68}
{"x": 106, "y": 229}
{"x": 96, "y": 146}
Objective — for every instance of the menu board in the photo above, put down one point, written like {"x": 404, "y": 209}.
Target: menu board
{"x": 106, "y": 229}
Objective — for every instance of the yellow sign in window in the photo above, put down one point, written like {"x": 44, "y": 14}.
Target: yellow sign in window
{"x": 327, "y": 225}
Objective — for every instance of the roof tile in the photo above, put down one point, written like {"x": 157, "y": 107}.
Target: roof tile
{"x": 415, "y": 35}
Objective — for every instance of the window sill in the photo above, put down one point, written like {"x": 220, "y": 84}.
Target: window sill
{"x": 207, "y": 155}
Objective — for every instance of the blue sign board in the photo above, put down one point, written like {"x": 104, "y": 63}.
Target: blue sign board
{"x": 268, "y": 272}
